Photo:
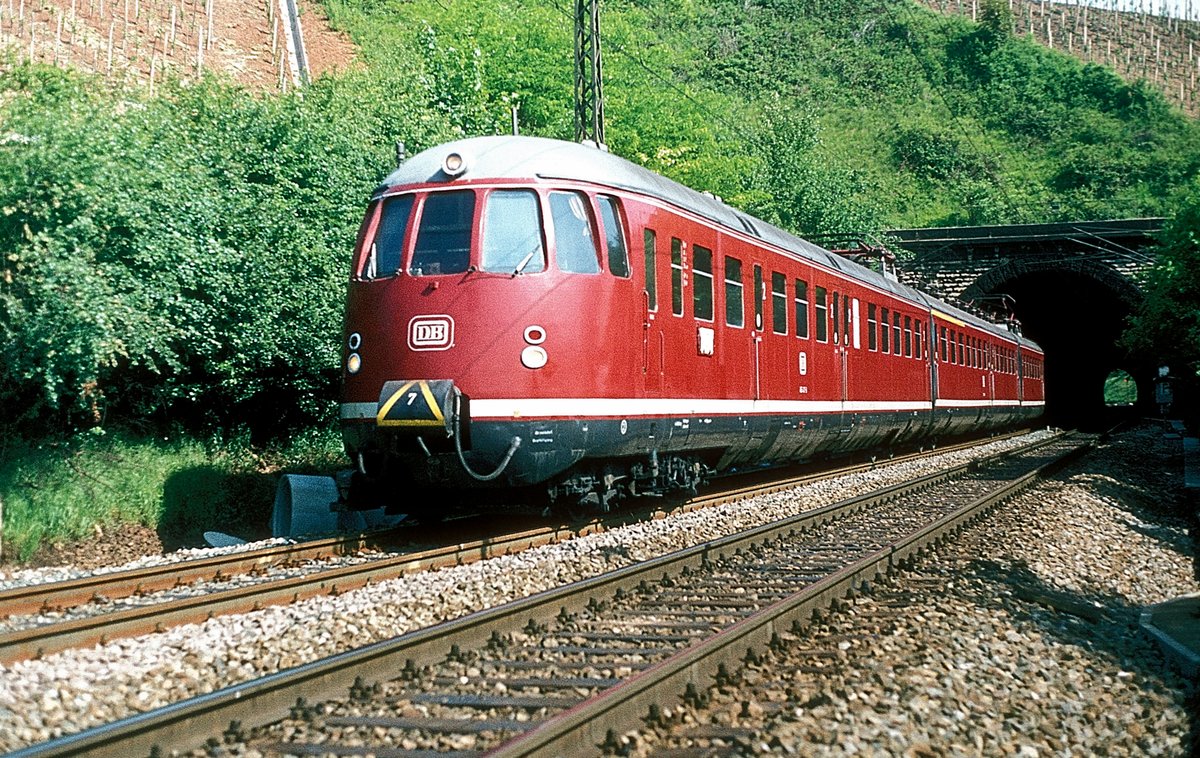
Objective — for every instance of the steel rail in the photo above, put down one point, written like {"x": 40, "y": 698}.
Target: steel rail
{"x": 47, "y": 596}
{"x": 625, "y": 706}
{"x": 265, "y": 700}
{"x": 38, "y": 641}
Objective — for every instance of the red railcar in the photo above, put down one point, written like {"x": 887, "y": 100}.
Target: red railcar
{"x": 526, "y": 312}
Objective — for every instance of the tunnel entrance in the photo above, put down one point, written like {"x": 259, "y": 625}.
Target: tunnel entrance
{"x": 1077, "y": 316}
{"x": 1073, "y": 283}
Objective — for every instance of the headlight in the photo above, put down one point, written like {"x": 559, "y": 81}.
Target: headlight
{"x": 353, "y": 363}
{"x": 454, "y": 165}
{"x": 534, "y": 357}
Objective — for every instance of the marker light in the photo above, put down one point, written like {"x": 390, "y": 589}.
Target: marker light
{"x": 353, "y": 363}
{"x": 454, "y": 165}
{"x": 534, "y": 357}
{"x": 535, "y": 335}
{"x": 354, "y": 341}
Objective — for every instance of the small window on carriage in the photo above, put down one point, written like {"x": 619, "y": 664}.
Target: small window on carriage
{"x": 386, "y": 254}
{"x": 649, "y": 244}
{"x": 872, "y": 325}
{"x": 677, "y": 266}
{"x": 444, "y": 237}
{"x": 735, "y": 309}
{"x": 801, "y": 309}
{"x": 702, "y": 284}
{"x": 896, "y": 333}
{"x": 833, "y": 318}
{"x": 614, "y": 236}
{"x": 822, "y": 315}
{"x": 512, "y": 233}
{"x": 779, "y": 304}
{"x": 908, "y": 335}
{"x": 574, "y": 244}
{"x": 885, "y": 339}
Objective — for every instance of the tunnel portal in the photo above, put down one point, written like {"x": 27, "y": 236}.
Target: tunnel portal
{"x": 1071, "y": 286}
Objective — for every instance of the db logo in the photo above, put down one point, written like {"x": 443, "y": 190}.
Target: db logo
{"x": 431, "y": 333}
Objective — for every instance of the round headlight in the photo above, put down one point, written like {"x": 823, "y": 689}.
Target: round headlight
{"x": 534, "y": 357}
{"x": 454, "y": 165}
{"x": 353, "y": 363}
{"x": 354, "y": 341}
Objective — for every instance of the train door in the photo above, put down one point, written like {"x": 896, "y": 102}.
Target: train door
{"x": 932, "y": 363}
{"x": 756, "y": 334}
{"x": 991, "y": 372}
{"x": 653, "y": 340}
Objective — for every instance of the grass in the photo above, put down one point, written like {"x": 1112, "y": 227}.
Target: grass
{"x": 180, "y": 486}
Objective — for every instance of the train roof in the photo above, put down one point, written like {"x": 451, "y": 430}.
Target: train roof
{"x": 518, "y": 157}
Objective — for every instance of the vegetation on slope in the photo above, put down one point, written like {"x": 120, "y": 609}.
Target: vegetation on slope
{"x": 178, "y": 260}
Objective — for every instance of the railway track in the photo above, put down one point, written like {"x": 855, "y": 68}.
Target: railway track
{"x": 87, "y": 612}
{"x": 568, "y": 670}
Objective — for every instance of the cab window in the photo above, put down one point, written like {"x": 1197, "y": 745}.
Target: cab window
{"x": 575, "y": 247}
{"x": 512, "y": 233}
{"x": 444, "y": 236}
{"x": 614, "y": 236}
{"x": 386, "y": 253}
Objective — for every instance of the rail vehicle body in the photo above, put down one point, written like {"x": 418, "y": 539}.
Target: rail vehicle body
{"x": 529, "y": 313}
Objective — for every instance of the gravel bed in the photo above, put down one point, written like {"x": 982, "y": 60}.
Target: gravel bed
{"x": 196, "y": 589}
{"x": 76, "y": 689}
{"x": 1019, "y": 638}
{"x": 12, "y": 578}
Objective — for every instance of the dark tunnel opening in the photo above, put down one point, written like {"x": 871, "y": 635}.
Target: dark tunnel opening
{"x": 1077, "y": 319}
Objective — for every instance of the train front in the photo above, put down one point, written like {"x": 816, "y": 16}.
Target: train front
{"x": 458, "y": 315}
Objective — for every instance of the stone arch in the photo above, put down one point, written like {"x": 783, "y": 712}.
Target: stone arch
{"x": 1122, "y": 286}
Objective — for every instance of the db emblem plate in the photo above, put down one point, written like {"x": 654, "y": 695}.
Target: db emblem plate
{"x": 431, "y": 333}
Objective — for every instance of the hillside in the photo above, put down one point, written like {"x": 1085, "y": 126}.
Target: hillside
{"x": 1163, "y": 51}
{"x": 175, "y": 255}
{"x": 143, "y": 40}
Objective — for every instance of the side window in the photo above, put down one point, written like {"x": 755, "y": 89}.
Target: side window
{"x": 802, "y": 309}
{"x": 779, "y": 314}
{"x": 444, "y": 236}
{"x": 872, "y": 325}
{"x": 895, "y": 333}
{"x": 649, "y": 245}
{"x": 702, "y": 284}
{"x": 885, "y": 331}
{"x": 960, "y": 349}
{"x": 760, "y": 294}
{"x": 512, "y": 233}
{"x": 386, "y": 253}
{"x": 918, "y": 345}
{"x": 822, "y": 315}
{"x": 942, "y": 332}
{"x": 908, "y": 335}
{"x": 847, "y": 316}
{"x": 834, "y": 310}
{"x": 614, "y": 236}
{"x": 677, "y": 276}
{"x": 735, "y": 307}
{"x": 574, "y": 245}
